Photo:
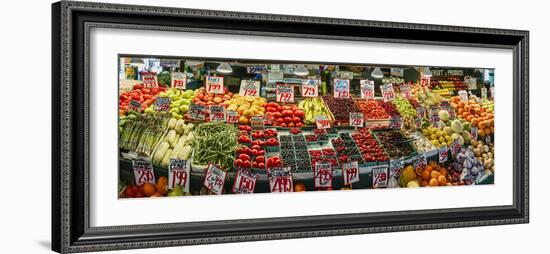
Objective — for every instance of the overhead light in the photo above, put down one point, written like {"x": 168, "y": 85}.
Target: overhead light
{"x": 137, "y": 62}
{"x": 377, "y": 73}
{"x": 427, "y": 73}
{"x": 301, "y": 70}
{"x": 224, "y": 67}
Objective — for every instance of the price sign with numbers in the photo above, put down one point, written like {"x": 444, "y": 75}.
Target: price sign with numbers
{"x": 323, "y": 175}
{"x": 285, "y": 94}
{"x": 143, "y": 170}
{"x": 367, "y": 89}
{"x": 395, "y": 123}
{"x": 310, "y": 88}
{"x": 217, "y": 113}
{"x": 322, "y": 122}
{"x": 356, "y": 119}
{"x": 179, "y": 174}
{"x": 443, "y": 154}
{"x": 418, "y": 123}
{"x": 232, "y": 116}
{"x": 473, "y": 132}
{"x": 396, "y": 166}
{"x": 380, "y": 176}
{"x": 387, "y": 92}
{"x": 447, "y": 107}
{"x": 419, "y": 161}
{"x": 434, "y": 115}
{"x": 280, "y": 180}
{"x": 257, "y": 122}
{"x": 425, "y": 81}
{"x": 179, "y": 80}
{"x": 484, "y": 93}
{"x": 149, "y": 79}
{"x": 406, "y": 90}
{"x": 455, "y": 147}
{"x": 250, "y": 88}
{"x": 350, "y": 172}
{"x": 214, "y": 179}
{"x": 420, "y": 112}
{"x": 245, "y": 181}
{"x": 341, "y": 88}
{"x": 214, "y": 84}
{"x": 197, "y": 112}
{"x": 463, "y": 95}
{"x": 162, "y": 104}
{"x": 134, "y": 106}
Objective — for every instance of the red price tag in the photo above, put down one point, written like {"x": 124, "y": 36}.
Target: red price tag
{"x": 179, "y": 80}
{"x": 214, "y": 84}
{"x": 387, "y": 92}
{"x": 285, "y": 94}
{"x": 249, "y": 88}
{"x": 217, "y": 113}
{"x": 406, "y": 91}
{"x": 322, "y": 122}
{"x": 143, "y": 171}
{"x": 380, "y": 176}
{"x": 396, "y": 166}
{"x": 215, "y": 179}
{"x": 162, "y": 104}
{"x": 350, "y": 172}
{"x": 245, "y": 182}
{"x": 179, "y": 174}
{"x": 310, "y": 88}
{"x": 443, "y": 154}
{"x": 356, "y": 119}
{"x": 149, "y": 80}
{"x": 367, "y": 89}
{"x": 425, "y": 81}
{"x": 323, "y": 175}
{"x": 341, "y": 88}
{"x": 232, "y": 116}
{"x": 280, "y": 180}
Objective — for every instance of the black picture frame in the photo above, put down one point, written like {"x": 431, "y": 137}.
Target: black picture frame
{"x": 71, "y": 22}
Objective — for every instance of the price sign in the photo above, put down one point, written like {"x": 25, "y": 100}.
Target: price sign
{"x": 463, "y": 95}
{"x": 455, "y": 147}
{"x": 434, "y": 115}
{"x": 443, "y": 154}
{"x": 217, "y": 113}
{"x": 396, "y": 166}
{"x": 285, "y": 94}
{"x": 143, "y": 170}
{"x": 395, "y": 123}
{"x": 197, "y": 112}
{"x": 406, "y": 90}
{"x": 425, "y": 81}
{"x": 419, "y": 161}
{"x": 473, "y": 132}
{"x": 356, "y": 119}
{"x": 232, "y": 116}
{"x": 310, "y": 88}
{"x": 341, "y": 88}
{"x": 179, "y": 80}
{"x": 255, "y": 69}
{"x": 484, "y": 93}
{"x": 134, "y": 106}
{"x": 280, "y": 180}
{"x": 447, "y": 107}
{"x": 179, "y": 174}
{"x": 214, "y": 84}
{"x": 397, "y": 72}
{"x": 245, "y": 181}
{"x": 367, "y": 89}
{"x": 380, "y": 176}
{"x": 257, "y": 122}
{"x": 214, "y": 179}
{"x": 322, "y": 122}
{"x": 149, "y": 79}
{"x": 387, "y": 92}
{"x": 250, "y": 88}
{"x": 162, "y": 104}
{"x": 418, "y": 123}
{"x": 323, "y": 175}
{"x": 350, "y": 172}
{"x": 420, "y": 112}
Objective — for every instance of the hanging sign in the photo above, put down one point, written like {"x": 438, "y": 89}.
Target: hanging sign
{"x": 250, "y": 88}
{"x": 255, "y": 69}
{"x": 323, "y": 175}
{"x": 463, "y": 95}
{"x": 214, "y": 179}
{"x": 232, "y": 116}
{"x": 143, "y": 170}
{"x": 350, "y": 172}
{"x": 380, "y": 176}
{"x": 396, "y": 72}
{"x": 214, "y": 84}
{"x": 179, "y": 80}
{"x": 396, "y": 166}
{"x": 285, "y": 94}
{"x": 162, "y": 104}
{"x": 149, "y": 79}
{"x": 179, "y": 174}
{"x": 217, "y": 113}
{"x": 197, "y": 112}
{"x": 280, "y": 180}
{"x": 367, "y": 89}
{"x": 356, "y": 119}
{"x": 341, "y": 88}
{"x": 406, "y": 91}
{"x": 245, "y": 181}
{"x": 310, "y": 88}
{"x": 387, "y": 92}
{"x": 322, "y": 122}
{"x": 443, "y": 153}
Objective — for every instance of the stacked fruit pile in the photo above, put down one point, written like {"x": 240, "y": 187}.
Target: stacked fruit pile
{"x": 247, "y": 107}
{"x": 472, "y": 112}
{"x": 283, "y": 116}
{"x": 313, "y": 107}
{"x": 372, "y": 110}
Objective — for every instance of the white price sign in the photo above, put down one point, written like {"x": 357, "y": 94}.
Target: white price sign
{"x": 350, "y": 172}
{"x": 149, "y": 80}
{"x": 179, "y": 174}
{"x": 250, "y": 88}
{"x": 179, "y": 80}
{"x": 217, "y": 113}
{"x": 214, "y": 179}
{"x": 443, "y": 153}
{"x": 245, "y": 182}
{"x": 285, "y": 94}
{"x": 367, "y": 89}
{"x": 406, "y": 91}
{"x": 356, "y": 119}
{"x": 387, "y": 92}
{"x": 463, "y": 95}
{"x": 143, "y": 170}
{"x": 214, "y": 84}
{"x": 419, "y": 161}
{"x": 323, "y": 175}
{"x": 380, "y": 176}
{"x": 322, "y": 122}
{"x": 280, "y": 180}
{"x": 310, "y": 88}
{"x": 396, "y": 166}
{"x": 232, "y": 116}
{"x": 341, "y": 88}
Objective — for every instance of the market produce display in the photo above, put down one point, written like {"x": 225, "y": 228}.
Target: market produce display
{"x": 441, "y": 134}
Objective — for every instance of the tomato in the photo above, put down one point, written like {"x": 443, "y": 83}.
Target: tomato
{"x": 290, "y": 124}
{"x": 238, "y": 163}
{"x": 287, "y": 113}
{"x": 261, "y": 165}
{"x": 138, "y": 86}
{"x": 246, "y": 164}
{"x": 288, "y": 120}
{"x": 254, "y": 164}
{"x": 298, "y": 113}
{"x": 299, "y": 124}
{"x": 260, "y": 159}
{"x": 277, "y": 115}
{"x": 256, "y": 147}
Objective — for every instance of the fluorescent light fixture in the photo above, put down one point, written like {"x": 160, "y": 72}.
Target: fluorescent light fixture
{"x": 427, "y": 72}
{"x": 301, "y": 70}
{"x": 377, "y": 73}
{"x": 224, "y": 67}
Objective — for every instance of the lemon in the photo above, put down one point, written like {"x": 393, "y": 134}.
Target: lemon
{"x": 435, "y": 142}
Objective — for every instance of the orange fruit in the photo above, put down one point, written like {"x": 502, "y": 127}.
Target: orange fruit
{"x": 162, "y": 185}
{"x": 156, "y": 194}
{"x": 443, "y": 171}
{"x": 424, "y": 183}
{"x": 442, "y": 180}
{"x": 148, "y": 189}
{"x": 426, "y": 175}
{"x": 433, "y": 182}
{"x": 481, "y": 125}
{"x": 435, "y": 174}
{"x": 298, "y": 187}
{"x": 429, "y": 168}
{"x": 481, "y": 133}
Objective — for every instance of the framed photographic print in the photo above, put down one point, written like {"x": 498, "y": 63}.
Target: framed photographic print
{"x": 180, "y": 126}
